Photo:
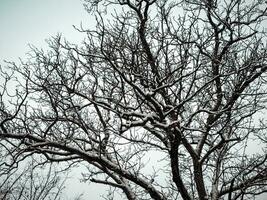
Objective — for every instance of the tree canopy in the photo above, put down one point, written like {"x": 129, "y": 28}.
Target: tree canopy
{"x": 163, "y": 99}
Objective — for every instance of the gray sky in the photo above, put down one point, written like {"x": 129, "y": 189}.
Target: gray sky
{"x": 32, "y": 21}
{"x": 24, "y": 22}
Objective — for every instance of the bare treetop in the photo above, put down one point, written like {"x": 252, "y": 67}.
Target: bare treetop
{"x": 182, "y": 83}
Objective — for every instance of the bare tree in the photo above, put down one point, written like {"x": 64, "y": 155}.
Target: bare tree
{"x": 31, "y": 181}
{"x": 161, "y": 101}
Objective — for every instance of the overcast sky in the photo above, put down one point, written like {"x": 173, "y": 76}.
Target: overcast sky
{"x": 24, "y": 22}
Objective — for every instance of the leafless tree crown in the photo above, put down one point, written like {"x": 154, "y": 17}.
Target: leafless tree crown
{"x": 161, "y": 101}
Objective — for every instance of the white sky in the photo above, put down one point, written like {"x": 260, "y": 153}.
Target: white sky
{"x": 24, "y": 22}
